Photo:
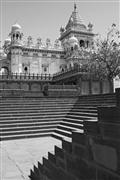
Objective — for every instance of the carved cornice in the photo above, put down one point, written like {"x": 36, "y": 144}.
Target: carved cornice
{"x": 38, "y": 50}
{"x": 66, "y": 33}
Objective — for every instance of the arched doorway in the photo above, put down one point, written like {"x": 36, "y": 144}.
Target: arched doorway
{"x": 4, "y": 70}
{"x": 82, "y": 43}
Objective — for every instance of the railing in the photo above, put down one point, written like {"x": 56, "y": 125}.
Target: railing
{"x": 68, "y": 73}
{"x": 44, "y": 77}
{"x": 16, "y": 76}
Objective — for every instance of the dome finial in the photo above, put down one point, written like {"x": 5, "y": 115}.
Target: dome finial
{"x": 75, "y": 7}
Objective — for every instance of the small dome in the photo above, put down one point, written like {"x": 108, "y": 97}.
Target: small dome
{"x": 73, "y": 40}
{"x": 2, "y": 53}
{"x": 8, "y": 40}
{"x": 16, "y": 27}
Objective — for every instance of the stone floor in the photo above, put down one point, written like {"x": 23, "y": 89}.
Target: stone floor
{"x": 17, "y": 157}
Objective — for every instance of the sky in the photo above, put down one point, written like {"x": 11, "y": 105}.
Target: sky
{"x": 44, "y": 18}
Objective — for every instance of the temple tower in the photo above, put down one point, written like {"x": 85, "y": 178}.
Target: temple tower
{"x": 16, "y": 48}
{"x": 76, "y": 27}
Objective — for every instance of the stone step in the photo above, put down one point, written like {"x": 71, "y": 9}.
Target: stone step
{"x": 83, "y": 113}
{"x": 80, "y": 117}
{"x": 14, "y": 109}
{"x": 71, "y": 124}
{"x": 59, "y": 152}
{"x": 36, "y": 171}
{"x": 31, "y": 117}
{"x": 33, "y": 110}
{"x": 40, "y": 167}
{"x": 27, "y": 131}
{"x": 34, "y": 105}
{"x": 84, "y": 109}
{"x": 18, "y": 121}
{"x": 63, "y": 132}
{"x": 51, "y": 157}
{"x": 93, "y": 104}
{"x": 61, "y": 137}
{"x": 67, "y": 128}
{"x": 37, "y": 99}
{"x": 77, "y": 121}
{"x": 48, "y": 166}
{"x": 59, "y": 102}
{"x": 67, "y": 146}
{"x": 22, "y": 136}
{"x": 84, "y": 102}
{"x": 107, "y": 100}
{"x": 98, "y": 95}
{"x": 28, "y": 124}
{"x": 50, "y": 107}
{"x": 32, "y": 114}
{"x": 35, "y": 126}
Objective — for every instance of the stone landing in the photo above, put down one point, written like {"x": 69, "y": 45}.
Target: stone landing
{"x": 17, "y": 157}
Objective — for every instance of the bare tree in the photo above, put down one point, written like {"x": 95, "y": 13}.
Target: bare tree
{"x": 104, "y": 62}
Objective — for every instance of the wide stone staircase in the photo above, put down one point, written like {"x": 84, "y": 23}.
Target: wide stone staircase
{"x": 31, "y": 117}
{"x": 84, "y": 109}
{"x": 93, "y": 154}
{"x": 58, "y": 117}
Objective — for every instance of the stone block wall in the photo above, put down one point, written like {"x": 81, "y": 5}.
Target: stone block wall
{"x": 92, "y": 155}
{"x": 104, "y": 146}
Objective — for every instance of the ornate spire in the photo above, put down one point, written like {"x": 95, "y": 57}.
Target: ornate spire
{"x": 74, "y": 18}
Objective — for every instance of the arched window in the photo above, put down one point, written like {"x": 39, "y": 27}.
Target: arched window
{"x": 82, "y": 43}
{"x": 71, "y": 48}
{"x": 17, "y": 36}
{"x": 45, "y": 69}
{"x": 13, "y": 36}
{"x": 25, "y": 69}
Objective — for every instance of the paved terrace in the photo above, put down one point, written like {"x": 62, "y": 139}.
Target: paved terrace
{"x": 17, "y": 157}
